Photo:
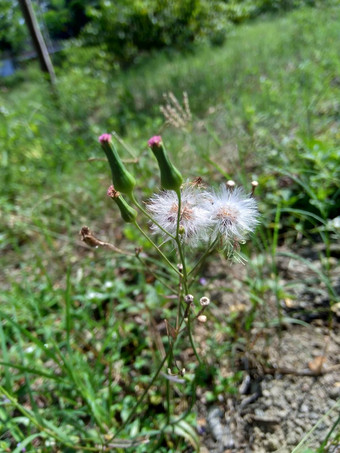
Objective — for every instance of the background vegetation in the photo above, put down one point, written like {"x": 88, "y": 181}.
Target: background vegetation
{"x": 78, "y": 325}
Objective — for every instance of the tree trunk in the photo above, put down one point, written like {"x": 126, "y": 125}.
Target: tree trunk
{"x": 37, "y": 39}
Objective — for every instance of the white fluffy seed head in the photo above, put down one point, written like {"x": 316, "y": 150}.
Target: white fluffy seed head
{"x": 194, "y": 216}
{"x": 233, "y": 214}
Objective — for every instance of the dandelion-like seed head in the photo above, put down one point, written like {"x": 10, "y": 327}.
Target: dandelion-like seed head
{"x": 234, "y": 214}
{"x": 194, "y": 216}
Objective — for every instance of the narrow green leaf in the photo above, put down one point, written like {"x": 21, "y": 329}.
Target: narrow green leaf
{"x": 31, "y": 370}
{"x": 22, "y": 444}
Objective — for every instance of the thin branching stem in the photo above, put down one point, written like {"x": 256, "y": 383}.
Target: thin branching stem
{"x": 185, "y": 275}
{"x": 179, "y": 244}
{"x": 140, "y": 207}
{"x": 157, "y": 248}
{"x": 40, "y": 426}
{"x": 141, "y": 398}
{"x": 155, "y": 275}
{"x": 192, "y": 342}
{"x": 202, "y": 257}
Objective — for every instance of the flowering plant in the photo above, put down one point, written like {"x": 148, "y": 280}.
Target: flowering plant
{"x": 188, "y": 216}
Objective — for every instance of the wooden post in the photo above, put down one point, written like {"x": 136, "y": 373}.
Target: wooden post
{"x": 37, "y": 39}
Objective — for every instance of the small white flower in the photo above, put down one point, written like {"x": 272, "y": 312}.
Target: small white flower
{"x": 194, "y": 216}
{"x": 233, "y": 214}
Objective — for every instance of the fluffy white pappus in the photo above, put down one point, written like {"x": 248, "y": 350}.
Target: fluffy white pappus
{"x": 233, "y": 214}
{"x": 194, "y": 218}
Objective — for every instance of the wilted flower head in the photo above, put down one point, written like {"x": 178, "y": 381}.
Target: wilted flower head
{"x": 189, "y": 298}
{"x": 127, "y": 212}
{"x": 204, "y": 301}
{"x": 194, "y": 217}
{"x": 112, "y": 192}
{"x": 233, "y": 214}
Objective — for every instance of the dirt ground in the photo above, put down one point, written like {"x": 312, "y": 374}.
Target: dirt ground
{"x": 291, "y": 384}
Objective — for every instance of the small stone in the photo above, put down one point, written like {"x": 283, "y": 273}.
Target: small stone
{"x": 334, "y": 392}
{"x": 272, "y": 442}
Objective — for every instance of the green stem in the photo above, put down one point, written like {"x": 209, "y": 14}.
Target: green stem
{"x": 155, "y": 275}
{"x": 188, "y": 411}
{"x": 157, "y": 248}
{"x": 178, "y": 192}
{"x": 140, "y": 207}
{"x": 167, "y": 357}
{"x": 179, "y": 245}
{"x": 168, "y": 404}
{"x": 182, "y": 259}
{"x": 179, "y": 305}
{"x": 42, "y": 428}
{"x": 140, "y": 400}
{"x": 205, "y": 254}
{"x": 192, "y": 342}
{"x": 185, "y": 278}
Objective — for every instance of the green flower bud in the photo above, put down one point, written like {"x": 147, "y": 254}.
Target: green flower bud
{"x": 181, "y": 230}
{"x": 128, "y": 214}
{"x": 122, "y": 179}
{"x": 171, "y": 179}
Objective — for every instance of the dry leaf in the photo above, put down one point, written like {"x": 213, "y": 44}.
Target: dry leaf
{"x": 316, "y": 364}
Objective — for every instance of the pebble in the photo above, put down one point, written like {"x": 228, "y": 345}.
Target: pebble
{"x": 334, "y": 393}
{"x": 272, "y": 443}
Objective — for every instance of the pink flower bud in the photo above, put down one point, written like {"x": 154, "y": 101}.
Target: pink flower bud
{"x": 122, "y": 179}
{"x": 171, "y": 179}
{"x": 104, "y": 138}
{"x": 156, "y": 140}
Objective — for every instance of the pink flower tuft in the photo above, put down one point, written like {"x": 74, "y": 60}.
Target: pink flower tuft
{"x": 105, "y": 138}
{"x": 112, "y": 192}
{"x": 156, "y": 140}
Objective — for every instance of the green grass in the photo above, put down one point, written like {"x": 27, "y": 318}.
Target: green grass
{"x": 79, "y": 326}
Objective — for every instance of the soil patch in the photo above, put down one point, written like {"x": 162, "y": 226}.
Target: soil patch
{"x": 291, "y": 384}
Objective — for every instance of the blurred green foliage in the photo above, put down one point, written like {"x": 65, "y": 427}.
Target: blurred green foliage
{"x": 12, "y": 30}
{"x": 129, "y": 28}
